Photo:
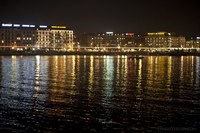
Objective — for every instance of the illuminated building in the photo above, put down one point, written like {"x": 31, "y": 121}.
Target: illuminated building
{"x": 39, "y": 36}
{"x": 17, "y": 35}
{"x": 193, "y": 42}
{"x": 61, "y": 37}
{"x": 43, "y": 38}
{"x": 164, "y": 39}
{"x": 108, "y": 39}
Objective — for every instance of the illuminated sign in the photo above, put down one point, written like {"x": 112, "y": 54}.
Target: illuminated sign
{"x": 6, "y": 25}
{"x": 58, "y": 27}
{"x": 22, "y": 25}
{"x": 43, "y": 26}
{"x": 109, "y": 33}
{"x": 32, "y": 26}
{"x": 25, "y": 25}
{"x": 130, "y": 34}
{"x": 159, "y": 33}
{"x": 151, "y": 34}
{"x": 16, "y": 25}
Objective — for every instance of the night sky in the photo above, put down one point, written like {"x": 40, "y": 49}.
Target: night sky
{"x": 138, "y": 16}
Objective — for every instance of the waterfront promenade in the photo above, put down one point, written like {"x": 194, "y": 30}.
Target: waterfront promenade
{"x": 155, "y": 53}
{"x": 22, "y": 50}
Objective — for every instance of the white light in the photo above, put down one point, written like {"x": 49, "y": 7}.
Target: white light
{"x": 7, "y": 25}
{"x": 109, "y": 32}
{"x": 198, "y": 37}
{"x": 24, "y": 25}
{"x": 43, "y": 26}
{"x": 16, "y": 25}
{"x": 32, "y": 26}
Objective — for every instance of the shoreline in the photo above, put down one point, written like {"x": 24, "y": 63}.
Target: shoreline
{"x": 52, "y": 53}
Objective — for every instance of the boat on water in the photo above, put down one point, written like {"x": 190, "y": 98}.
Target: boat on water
{"x": 136, "y": 57}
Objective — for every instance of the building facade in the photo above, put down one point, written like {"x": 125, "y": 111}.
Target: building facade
{"x": 193, "y": 42}
{"x": 43, "y": 38}
{"x": 61, "y": 38}
{"x": 108, "y": 39}
{"x": 164, "y": 39}
{"x": 12, "y": 36}
{"x": 38, "y": 37}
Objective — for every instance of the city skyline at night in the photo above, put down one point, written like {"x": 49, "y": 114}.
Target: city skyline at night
{"x": 99, "y": 66}
{"x": 23, "y": 37}
{"x": 128, "y": 16}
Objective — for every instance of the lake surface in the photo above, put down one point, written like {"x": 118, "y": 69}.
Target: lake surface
{"x": 99, "y": 94}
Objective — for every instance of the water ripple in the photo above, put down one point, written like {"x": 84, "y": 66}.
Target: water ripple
{"x": 99, "y": 93}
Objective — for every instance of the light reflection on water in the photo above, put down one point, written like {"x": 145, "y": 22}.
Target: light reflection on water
{"x": 98, "y": 93}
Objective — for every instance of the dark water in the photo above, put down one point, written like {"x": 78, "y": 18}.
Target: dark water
{"x": 99, "y": 94}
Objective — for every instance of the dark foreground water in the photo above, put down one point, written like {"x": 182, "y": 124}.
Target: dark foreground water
{"x": 99, "y": 94}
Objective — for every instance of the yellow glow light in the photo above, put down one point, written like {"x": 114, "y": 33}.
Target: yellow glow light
{"x": 58, "y": 27}
{"x": 158, "y": 33}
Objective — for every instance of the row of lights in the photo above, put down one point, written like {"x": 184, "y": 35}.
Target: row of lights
{"x": 23, "y": 25}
